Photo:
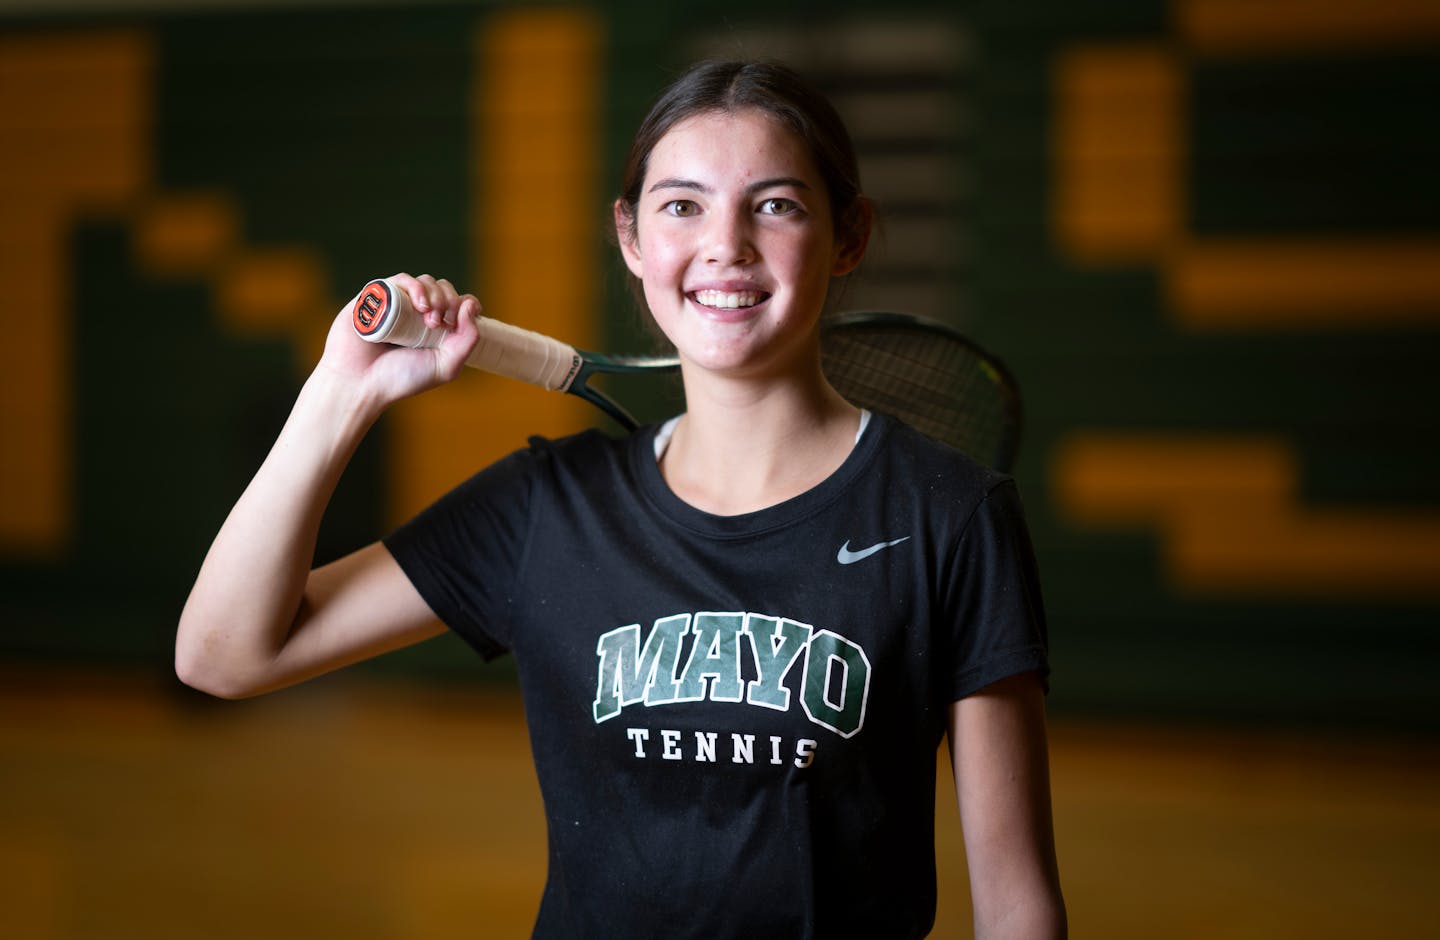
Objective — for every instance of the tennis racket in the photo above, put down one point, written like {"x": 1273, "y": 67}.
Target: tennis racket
{"x": 925, "y": 373}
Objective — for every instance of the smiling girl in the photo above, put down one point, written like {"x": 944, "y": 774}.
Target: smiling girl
{"x": 741, "y": 635}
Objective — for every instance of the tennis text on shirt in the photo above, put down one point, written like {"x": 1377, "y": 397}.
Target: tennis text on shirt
{"x": 698, "y": 657}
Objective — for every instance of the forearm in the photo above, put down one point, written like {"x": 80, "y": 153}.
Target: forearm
{"x": 1002, "y": 780}
{"x": 248, "y": 593}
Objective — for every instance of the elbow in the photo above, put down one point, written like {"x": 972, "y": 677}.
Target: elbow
{"x": 202, "y": 680}
{"x": 214, "y": 683}
{"x": 1033, "y": 909}
{"x": 201, "y": 668}
{"x": 1053, "y": 920}
{"x": 1041, "y": 917}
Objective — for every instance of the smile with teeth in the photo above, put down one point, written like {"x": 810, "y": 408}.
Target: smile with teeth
{"x": 728, "y": 300}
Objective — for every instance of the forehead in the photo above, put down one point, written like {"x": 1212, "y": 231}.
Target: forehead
{"x": 717, "y": 144}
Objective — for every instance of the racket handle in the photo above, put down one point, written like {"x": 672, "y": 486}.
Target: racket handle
{"x": 383, "y": 314}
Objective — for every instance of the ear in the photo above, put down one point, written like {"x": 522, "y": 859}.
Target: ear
{"x": 849, "y": 253}
{"x": 625, "y": 235}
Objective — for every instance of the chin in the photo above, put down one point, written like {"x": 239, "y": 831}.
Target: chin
{"x": 747, "y": 361}
{"x": 719, "y": 361}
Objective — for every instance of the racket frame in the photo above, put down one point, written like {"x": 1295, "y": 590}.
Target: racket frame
{"x": 382, "y": 313}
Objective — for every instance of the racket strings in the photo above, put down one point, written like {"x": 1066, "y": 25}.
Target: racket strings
{"x": 939, "y": 384}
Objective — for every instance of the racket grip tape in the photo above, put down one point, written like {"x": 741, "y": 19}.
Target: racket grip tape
{"x": 383, "y": 313}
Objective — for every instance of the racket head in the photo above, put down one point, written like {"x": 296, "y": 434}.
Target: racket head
{"x": 929, "y": 375}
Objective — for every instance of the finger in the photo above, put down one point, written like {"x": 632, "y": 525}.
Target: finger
{"x": 449, "y": 302}
{"x": 452, "y": 353}
{"x": 410, "y": 285}
{"x": 416, "y": 289}
{"x": 429, "y": 303}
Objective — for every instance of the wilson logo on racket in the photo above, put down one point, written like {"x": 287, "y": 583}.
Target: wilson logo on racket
{"x": 371, "y": 307}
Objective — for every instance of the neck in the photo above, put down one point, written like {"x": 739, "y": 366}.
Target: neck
{"x": 745, "y": 445}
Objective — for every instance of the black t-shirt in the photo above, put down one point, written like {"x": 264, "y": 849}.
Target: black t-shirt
{"x": 735, "y": 718}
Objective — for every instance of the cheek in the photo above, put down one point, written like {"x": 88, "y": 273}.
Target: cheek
{"x": 662, "y": 278}
{"x": 810, "y": 262}
{"x": 662, "y": 315}
{"x": 664, "y": 267}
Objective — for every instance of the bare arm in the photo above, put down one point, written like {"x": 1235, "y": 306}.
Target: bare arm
{"x": 257, "y": 617}
{"x": 1002, "y": 782}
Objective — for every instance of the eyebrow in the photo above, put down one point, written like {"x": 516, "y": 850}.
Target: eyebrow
{"x": 672, "y": 182}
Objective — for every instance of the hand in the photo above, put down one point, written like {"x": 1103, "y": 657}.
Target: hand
{"x": 383, "y": 374}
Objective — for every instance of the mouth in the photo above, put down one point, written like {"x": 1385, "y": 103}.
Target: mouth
{"x": 729, "y": 300}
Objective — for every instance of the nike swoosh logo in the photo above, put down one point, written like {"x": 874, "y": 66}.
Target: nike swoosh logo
{"x": 847, "y": 557}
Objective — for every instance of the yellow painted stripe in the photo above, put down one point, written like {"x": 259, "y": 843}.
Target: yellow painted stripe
{"x": 1228, "y": 513}
{"x": 273, "y": 291}
{"x": 535, "y": 140}
{"x": 1266, "y": 26}
{"x": 1131, "y": 478}
{"x": 1301, "y": 284}
{"x": 75, "y": 124}
{"x": 186, "y": 235}
{"x": 1119, "y": 198}
{"x": 259, "y": 291}
{"x": 1119, "y": 148}
{"x": 1382, "y": 553}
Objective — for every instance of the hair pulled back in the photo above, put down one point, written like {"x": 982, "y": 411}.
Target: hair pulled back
{"x": 727, "y": 87}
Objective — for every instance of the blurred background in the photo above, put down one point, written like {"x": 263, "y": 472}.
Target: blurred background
{"x": 1204, "y": 234}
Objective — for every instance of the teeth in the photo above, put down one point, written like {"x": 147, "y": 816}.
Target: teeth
{"x": 730, "y": 301}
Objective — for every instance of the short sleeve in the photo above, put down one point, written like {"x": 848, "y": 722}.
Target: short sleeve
{"x": 464, "y": 552}
{"x": 993, "y": 607}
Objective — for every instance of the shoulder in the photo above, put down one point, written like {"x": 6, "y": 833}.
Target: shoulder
{"x": 589, "y": 442}
{"x": 966, "y": 505}
{"x": 586, "y": 450}
{"x": 937, "y": 470}
{"x": 590, "y": 454}
{"x": 529, "y": 471}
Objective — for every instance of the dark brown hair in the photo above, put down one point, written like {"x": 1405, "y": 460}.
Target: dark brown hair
{"x": 778, "y": 92}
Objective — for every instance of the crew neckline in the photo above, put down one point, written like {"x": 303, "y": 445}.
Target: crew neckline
{"x": 667, "y": 431}
{"x": 663, "y": 499}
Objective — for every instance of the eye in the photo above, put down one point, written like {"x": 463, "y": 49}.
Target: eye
{"x": 680, "y": 208}
{"x": 778, "y": 205}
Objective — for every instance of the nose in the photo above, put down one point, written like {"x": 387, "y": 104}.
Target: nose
{"x": 728, "y": 237}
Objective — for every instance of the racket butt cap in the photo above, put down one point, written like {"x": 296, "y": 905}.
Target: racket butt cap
{"x": 375, "y": 312}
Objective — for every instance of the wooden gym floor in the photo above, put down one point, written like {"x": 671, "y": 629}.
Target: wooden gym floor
{"x": 362, "y": 808}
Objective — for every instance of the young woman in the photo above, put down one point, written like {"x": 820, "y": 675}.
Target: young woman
{"x": 740, "y": 635}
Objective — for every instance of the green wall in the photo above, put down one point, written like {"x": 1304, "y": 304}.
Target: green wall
{"x": 1322, "y": 140}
